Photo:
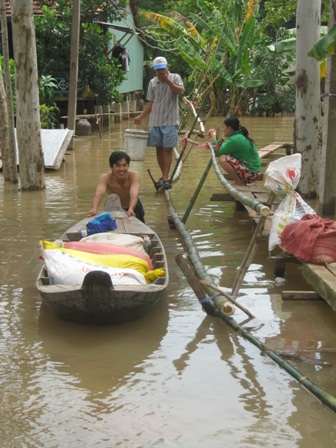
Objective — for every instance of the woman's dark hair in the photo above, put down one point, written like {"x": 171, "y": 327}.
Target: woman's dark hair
{"x": 235, "y": 124}
{"x": 118, "y": 155}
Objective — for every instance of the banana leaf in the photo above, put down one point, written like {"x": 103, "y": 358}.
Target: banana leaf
{"x": 325, "y": 46}
{"x": 283, "y": 45}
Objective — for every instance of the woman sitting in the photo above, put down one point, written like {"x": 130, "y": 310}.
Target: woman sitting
{"x": 238, "y": 155}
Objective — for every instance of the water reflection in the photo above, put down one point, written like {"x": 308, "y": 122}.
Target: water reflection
{"x": 98, "y": 359}
{"x": 175, "y": 378}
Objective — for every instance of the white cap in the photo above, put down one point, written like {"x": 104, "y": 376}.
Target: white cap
{"x": 160, "y": 62}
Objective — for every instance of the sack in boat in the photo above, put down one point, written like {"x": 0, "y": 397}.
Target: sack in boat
{"x": 102, "y": 223}
{"x": 107, "y": 249}
{"x": 122, "y": 261}
{"x": 133, "y": 241}
{"x": 65, "y": 269}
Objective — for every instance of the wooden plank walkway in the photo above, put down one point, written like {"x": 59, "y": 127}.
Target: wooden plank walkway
{"x": 321, "y": 278}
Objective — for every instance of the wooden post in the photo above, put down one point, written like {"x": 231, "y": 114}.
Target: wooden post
{"x": 72, "y": 105}
{"x": 327, "y": 187}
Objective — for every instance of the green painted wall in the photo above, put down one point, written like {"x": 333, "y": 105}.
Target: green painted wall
{"x": 135, "y": 49}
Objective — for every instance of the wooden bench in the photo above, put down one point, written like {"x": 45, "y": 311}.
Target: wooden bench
{"x": 272, "y": 147}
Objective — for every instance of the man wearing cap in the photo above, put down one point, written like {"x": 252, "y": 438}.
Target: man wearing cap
{"x": 162, "y": 105}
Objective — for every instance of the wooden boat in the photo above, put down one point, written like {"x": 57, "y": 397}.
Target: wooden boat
{"x": 97, "y": 301}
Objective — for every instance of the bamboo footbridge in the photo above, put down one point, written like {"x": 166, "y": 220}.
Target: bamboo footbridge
{"x": 216, "y": 302}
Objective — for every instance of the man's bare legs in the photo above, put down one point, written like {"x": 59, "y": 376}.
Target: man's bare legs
{"x": 164, "y": 157}
{"x": 230, "y": 170}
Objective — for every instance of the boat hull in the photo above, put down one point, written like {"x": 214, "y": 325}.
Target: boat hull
{"x": 97, "y": 301}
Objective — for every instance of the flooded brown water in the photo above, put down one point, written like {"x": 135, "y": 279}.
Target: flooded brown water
{"x": 176, "y": 378}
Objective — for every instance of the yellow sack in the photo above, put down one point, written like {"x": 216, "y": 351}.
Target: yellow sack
{"x": 115, "y": 260}
{"x": 151, "y": 276}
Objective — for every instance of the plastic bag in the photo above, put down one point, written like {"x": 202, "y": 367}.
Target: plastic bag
{"x": 290, "y": 210}
{"x": 102, "y": 223}
{"x": 284, "y": 174}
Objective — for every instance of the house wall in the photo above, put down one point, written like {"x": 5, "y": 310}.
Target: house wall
{"x": 134, "y": 81}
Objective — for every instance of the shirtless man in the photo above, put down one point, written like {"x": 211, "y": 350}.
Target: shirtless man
{"x": 121, "y": 181}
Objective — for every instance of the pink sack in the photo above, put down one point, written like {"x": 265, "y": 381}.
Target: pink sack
{"x": 107, "y": 249}
{"x": 311, "y": 240}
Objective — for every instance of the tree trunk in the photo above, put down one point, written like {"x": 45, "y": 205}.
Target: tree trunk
{"x": 4, "y": 129}
{"x": 327, "y": 191}
{"x": 10, "y": 162}
{"x": 307, "y": 115}
{"x": 72, "y": 105}
{"x": 28, "y": 127}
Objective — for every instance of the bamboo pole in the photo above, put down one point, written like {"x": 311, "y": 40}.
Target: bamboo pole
{"x": 231, "y": 299}
{"x": 186, "y": 141}
{"x": 251, "y": 250}
{"x": 259, "y": 207}
{"x": 184, "y": 264}
{"x": 196, "y": 193}
{"x": 219, "y": 300}
{"x": 325, "y": 397}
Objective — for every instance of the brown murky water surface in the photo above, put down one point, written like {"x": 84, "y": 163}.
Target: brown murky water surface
{"x": 176, "y": 378}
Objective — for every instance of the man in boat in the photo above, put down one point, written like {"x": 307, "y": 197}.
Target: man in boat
{"x": 162, "y": 105}
{"x": 121, "y": 181}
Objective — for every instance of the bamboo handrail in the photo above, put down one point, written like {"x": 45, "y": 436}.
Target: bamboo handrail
{"x": 259, "y": 207}
{"x": 325, "y": 397}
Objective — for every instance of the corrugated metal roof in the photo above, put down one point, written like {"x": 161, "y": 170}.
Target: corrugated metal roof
{"x": 54, "y": 144}
{"x": 36, "y": 7}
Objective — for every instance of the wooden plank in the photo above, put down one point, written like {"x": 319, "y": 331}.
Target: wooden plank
{"x": 135, "y": 227}
{"x": 300, "y": 295}
{"x": 332, "y": 268}
{"x": 272, "y": 147}
{"x": 322, "y": 280}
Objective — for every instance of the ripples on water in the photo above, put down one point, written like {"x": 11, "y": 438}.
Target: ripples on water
{"x": 175, "y": 378}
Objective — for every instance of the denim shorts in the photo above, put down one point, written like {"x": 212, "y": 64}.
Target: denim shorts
{"x": 165, "y": 136}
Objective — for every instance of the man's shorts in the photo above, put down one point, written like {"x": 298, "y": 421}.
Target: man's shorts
{"x": 165, "y": 136}
{"x": 139, "y": 211}
{"x": 244, "y": 173}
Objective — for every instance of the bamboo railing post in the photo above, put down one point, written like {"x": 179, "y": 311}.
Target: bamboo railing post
{"x": 251, "y": 250}
{"x": 186, "y": 142}
{"x": 198, "y": 189}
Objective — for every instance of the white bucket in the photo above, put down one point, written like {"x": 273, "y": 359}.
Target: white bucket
{"x": 136, "y": 143}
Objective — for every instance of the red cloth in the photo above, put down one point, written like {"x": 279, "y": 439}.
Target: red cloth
{"x": 312, "y": 239}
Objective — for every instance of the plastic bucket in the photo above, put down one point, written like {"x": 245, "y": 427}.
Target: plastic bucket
{"x": 136, "y": 143}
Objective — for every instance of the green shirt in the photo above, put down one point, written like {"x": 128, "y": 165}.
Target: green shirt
{"x": 242, "y": 149}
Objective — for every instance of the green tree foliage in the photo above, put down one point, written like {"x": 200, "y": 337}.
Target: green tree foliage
{"x": 96, "y": 73}
{"x": 49, "y": 111}
{"x": 224, "y": 45}
{"x": 218, "y": 47}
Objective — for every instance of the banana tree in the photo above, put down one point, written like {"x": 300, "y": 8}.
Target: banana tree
{"x": 217, "y": 46}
